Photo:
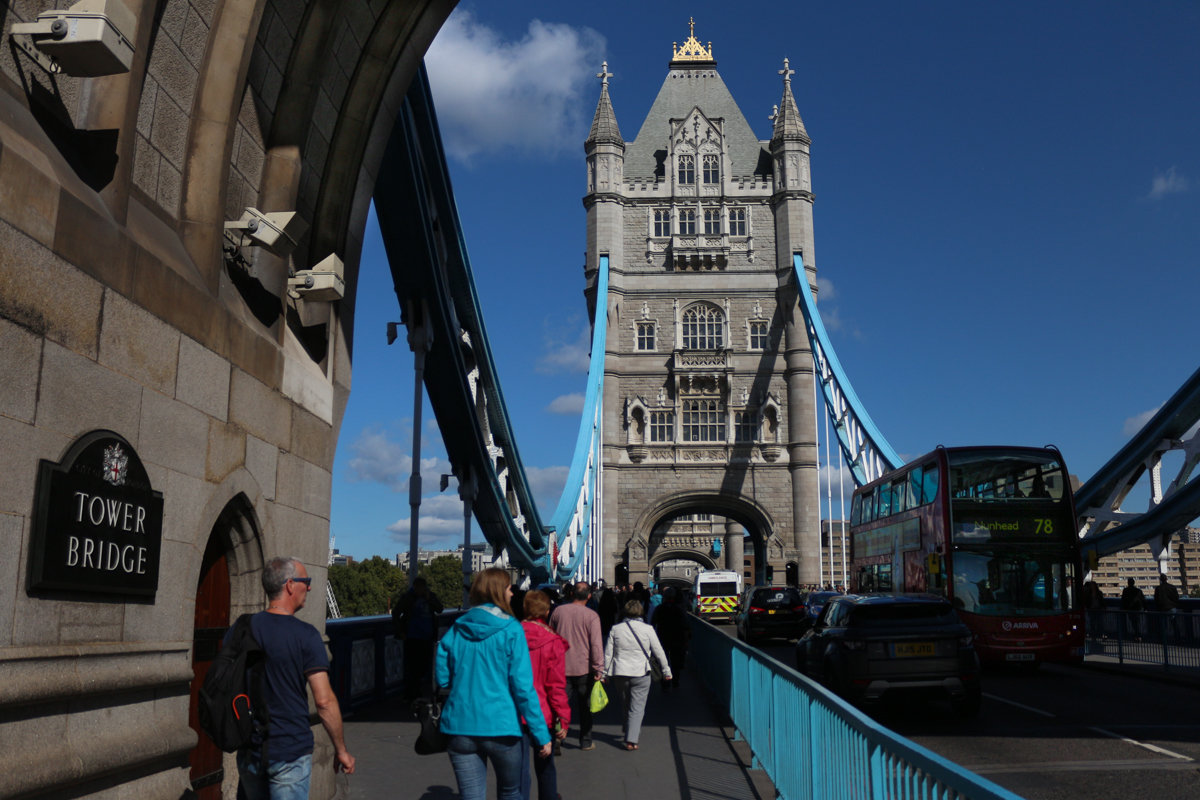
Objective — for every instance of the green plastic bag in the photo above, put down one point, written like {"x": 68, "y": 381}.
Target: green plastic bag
{"x": 599, "y": 698}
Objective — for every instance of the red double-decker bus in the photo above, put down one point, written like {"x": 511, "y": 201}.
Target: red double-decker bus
{"x": 990, "y": 528}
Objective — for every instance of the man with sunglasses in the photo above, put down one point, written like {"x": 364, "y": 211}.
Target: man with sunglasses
{"x": 296, "y": 661}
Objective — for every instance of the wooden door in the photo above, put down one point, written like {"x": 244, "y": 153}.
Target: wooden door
{"x": 212, "y": 620}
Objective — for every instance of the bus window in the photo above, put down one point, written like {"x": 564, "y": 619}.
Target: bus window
{"x": 929, "y": 483}
{"x": 903, "y": 497}
{"x": 914, "y": 486}
{"x": 884, "y": 493}
{"x": 875, "y": 578}
{"x": 856, "y": 510}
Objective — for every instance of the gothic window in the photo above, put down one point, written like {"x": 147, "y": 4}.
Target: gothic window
{"x": 662, "y": 222}
{"x": 703, "y": 328}
{"x": 687, "y": 169}
{"x": 712, "y": 170}
{"x": 758, "y": 334}
{"x": 687, "y": 222}
{"x": 645, "y": 336}
{"x": 662, "y": 426}
{"x": 703, "y": 421}
{"x": 737, "y": 222}
{"x": 712, "y": 221}
{"x": 745, "y": 426}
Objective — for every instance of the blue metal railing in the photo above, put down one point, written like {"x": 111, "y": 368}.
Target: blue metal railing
{"x": 813, "y": 744}
{"x": 1165, "y": 639}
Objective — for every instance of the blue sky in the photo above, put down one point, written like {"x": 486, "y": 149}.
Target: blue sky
{"x": 1007, "y": 219}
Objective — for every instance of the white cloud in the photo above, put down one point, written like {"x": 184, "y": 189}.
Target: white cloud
{"x": 562, "y": 355}
{"x": 495, "y": 95}
{"x": 1136, "y": 423}
{"x": 378, "y": 459}
{"x": 546, "y": 484}
{"x": 825, "y": 289}
{"x": 1165, "y": 183}
{"x": 829, "y": 478}
{"x": 567, "y": 404}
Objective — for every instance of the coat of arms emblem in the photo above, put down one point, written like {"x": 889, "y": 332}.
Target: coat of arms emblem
{"x": 115, "y": 464}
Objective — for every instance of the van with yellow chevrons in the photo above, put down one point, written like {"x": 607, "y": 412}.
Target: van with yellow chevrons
{"x": 715, "y": 594}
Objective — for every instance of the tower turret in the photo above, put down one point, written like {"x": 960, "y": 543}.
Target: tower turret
{"x": 605, "y": 176}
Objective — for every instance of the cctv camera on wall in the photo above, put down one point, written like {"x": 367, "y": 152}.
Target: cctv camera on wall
{"x": 322, "y": 283}
{"x": 87, "y": 40}
{"x": 277, "y": 232}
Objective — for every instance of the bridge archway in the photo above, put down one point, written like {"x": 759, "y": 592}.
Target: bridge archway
{"x": 650, "y": 543}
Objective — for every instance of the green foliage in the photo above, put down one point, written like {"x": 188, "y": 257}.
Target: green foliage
{"x": 364, "y": 588}
{"x": 445, "y": 578}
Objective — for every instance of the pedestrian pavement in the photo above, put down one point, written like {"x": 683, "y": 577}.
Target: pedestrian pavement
{"x": 687, "y": 751}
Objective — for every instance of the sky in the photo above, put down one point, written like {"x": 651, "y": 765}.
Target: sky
{"x": 1007, "y": 220}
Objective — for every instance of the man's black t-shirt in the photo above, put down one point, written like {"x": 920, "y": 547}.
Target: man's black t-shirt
{"x": 294, "y": 651}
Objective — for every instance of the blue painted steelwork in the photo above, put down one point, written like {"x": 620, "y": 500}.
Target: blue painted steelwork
{"x": 1105, "y": 527}
{"x": 576, "y": 511}
{"x": 427, "y": 255}
{"x": 813, "y": 744}
{"x": 867, "y": 452}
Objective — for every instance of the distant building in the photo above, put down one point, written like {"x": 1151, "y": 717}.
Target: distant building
{"x": 1183, "y": 568}
{"x": 481, "y": 556}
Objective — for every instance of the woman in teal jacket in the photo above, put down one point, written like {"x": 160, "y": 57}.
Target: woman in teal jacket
{"x": 484, "y": 660}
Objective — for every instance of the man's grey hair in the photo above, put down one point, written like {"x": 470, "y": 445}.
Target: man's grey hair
{"x": 277, "y": 572}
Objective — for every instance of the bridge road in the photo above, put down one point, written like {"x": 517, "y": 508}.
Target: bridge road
{"x": 685, "y": 752}
{"x": 1102, "y": 730}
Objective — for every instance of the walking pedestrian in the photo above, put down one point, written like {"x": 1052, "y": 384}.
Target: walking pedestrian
{"x": 547, "y": 651}
{"x": 1133, "y": 600}
{"x": 415, "y": 622}
{"x": 296, "y": 662}
{"x": 631, "y": 644}
{"x": 484, "y": 661}
{"x": 670, "y": 623}
{"x": 580, "y": 626}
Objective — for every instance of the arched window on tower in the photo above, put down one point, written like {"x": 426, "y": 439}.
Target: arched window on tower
{"x": 687, "y": 169}
{"x": 703, "y": 328}
{"x": 712, "y": 169}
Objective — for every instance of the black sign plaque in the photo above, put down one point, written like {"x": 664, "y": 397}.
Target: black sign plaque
{"x": 97, "y": 526}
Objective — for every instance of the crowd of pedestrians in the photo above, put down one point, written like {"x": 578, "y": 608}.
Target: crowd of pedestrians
{"x": 520, "y": 671}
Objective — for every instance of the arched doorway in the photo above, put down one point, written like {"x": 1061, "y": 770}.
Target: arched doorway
{"x": 233, "y": 542}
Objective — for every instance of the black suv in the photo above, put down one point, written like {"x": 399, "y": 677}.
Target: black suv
{"x": 766, "y": 611}
{"x": 864, "y": 646}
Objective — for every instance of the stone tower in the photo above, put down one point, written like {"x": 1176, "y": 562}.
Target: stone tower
{"x": 708, "y": 394}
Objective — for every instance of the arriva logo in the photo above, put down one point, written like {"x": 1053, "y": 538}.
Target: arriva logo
{"x": 1009, "y": 625}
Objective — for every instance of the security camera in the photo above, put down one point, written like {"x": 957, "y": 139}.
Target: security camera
{"x": 321, "y": 284}
{"x": 87, "y": 40}
{"x": 277, "y": 231}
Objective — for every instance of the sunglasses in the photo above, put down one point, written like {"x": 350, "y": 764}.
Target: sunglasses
{"x": 305, "y": 581}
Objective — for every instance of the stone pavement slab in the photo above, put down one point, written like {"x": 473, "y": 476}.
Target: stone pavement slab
{"x": 686, "y": 751}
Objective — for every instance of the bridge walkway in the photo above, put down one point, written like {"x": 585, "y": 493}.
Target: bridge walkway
{"x": 687, "y": 751}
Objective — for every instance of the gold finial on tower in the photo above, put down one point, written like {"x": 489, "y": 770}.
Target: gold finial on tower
{"x": 692, "y": 51}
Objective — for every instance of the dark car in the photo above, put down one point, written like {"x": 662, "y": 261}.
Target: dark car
{"x": 865, "y": 646}
{"x": 813, "y": 603}
{"x": 766, "y": 612}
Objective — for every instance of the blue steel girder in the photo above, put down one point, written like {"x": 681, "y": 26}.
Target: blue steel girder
{"x": 430, "y": 269}
{"x": 866, "y": 451}
{"x": 1105, "y": 526}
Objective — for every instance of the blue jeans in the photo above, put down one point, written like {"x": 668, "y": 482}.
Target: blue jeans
{"x": 543, "y": 768}
{"x": 469, "y": 756}
{"x": 285, "y": 780}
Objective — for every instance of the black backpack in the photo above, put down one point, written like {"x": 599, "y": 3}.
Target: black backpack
{"x": 232, "y": 707}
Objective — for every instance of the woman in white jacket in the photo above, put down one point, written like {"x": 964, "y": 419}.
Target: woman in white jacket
{"x": 627, "y": 653}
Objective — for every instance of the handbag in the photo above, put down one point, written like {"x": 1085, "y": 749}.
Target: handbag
{"x": 599, "y": 698}
{"x": 656, "y": 670}
{"x": 429, "y": 714}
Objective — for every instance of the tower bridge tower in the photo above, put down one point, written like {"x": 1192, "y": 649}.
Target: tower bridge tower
{"x": 708, "y": 395}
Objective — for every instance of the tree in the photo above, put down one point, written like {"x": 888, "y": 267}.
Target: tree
{"x": 445, "y": 578}
{"x": 367, "y": 587}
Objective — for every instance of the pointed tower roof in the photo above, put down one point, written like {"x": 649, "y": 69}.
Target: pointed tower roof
{"x": 692, "y": 82}
{"x": 604, "y": 124}
{"x": 788, "y": 124}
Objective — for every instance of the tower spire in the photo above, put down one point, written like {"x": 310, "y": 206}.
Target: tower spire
{"x": 692, "y": 53}
{"x": 788, "y": 124}
{"x": 604, "y": 123}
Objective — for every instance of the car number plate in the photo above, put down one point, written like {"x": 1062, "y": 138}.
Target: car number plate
{"x": 770, "y": 611}
{"x": 1018, "y": 656}
{"x": 913, "y": 649}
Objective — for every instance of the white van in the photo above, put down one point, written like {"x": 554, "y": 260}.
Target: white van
{"x": 715, "y": 594}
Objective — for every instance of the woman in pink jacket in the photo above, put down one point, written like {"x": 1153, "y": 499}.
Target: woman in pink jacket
{"x": 546, "y": 653}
